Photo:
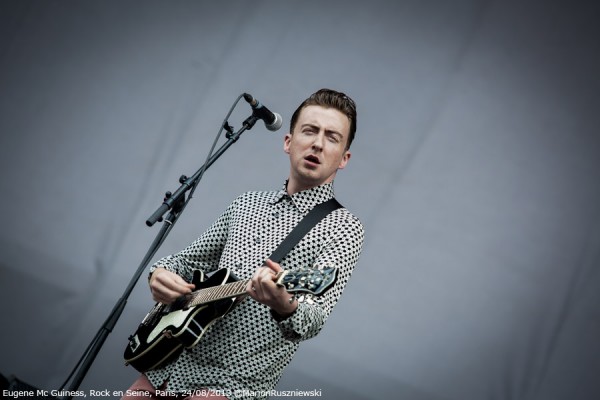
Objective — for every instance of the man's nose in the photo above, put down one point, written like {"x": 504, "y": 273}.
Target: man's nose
{"x": 318, "y": 141}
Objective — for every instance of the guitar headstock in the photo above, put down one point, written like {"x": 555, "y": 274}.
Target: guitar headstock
{"x": 308, "y": 280}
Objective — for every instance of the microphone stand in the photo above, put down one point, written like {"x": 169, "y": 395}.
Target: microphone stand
{"x": 176, "y": 203}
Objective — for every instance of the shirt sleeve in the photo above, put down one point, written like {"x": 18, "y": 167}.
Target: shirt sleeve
{"x": 204, "y": 253}
{"x": 341, "y": 252}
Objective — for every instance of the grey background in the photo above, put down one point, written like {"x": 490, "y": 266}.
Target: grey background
{"x": 476, "y": 172}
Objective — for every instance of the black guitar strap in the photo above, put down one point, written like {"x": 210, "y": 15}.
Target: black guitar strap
{"x": 310, "y": 220}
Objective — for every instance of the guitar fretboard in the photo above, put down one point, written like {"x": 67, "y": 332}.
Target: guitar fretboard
{"x": 220, "y": 292}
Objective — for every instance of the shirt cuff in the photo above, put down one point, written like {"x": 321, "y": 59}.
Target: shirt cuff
{"x": 292, "y": 327}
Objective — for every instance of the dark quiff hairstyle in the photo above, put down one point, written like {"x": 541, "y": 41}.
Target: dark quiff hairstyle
{"x": 329, "y": 98}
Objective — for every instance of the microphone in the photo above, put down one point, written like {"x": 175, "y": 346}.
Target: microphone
{"x": 273, "y": 121}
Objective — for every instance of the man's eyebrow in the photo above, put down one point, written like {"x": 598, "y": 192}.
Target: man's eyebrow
{"x": 314, "y": 126}
{"x": 309, "y": 125}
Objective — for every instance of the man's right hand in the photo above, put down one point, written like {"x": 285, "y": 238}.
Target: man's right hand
{"x": 167, "y": 286}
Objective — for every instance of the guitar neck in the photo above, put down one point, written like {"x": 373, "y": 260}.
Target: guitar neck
{"x": 220, "y": 292}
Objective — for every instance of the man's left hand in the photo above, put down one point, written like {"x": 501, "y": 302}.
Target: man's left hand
{"x": 262, "y": 288}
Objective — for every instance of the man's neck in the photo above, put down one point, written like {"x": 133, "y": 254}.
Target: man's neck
{"x": 293, "y": 188}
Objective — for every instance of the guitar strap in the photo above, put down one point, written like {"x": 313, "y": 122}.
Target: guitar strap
{"x": 310, "y": 220}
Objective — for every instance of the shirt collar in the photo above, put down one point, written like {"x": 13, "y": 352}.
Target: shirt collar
{"x": 305, "y": 200}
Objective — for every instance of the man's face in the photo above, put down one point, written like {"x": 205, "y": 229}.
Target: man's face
{"x": 317, "y": 147}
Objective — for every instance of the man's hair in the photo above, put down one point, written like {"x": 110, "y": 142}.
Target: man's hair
{"x": 329, "y": 98}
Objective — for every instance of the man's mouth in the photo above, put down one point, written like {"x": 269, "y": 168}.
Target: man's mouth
{"x": 313, "y": 159}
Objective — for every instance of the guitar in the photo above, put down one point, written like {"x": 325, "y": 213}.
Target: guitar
{"x": 169, "y": 328}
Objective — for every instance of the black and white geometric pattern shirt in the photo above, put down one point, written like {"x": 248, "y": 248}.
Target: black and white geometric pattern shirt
{"x": 246, "y": 351}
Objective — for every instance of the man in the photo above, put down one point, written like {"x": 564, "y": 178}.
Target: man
{"x": 243, "y": 354}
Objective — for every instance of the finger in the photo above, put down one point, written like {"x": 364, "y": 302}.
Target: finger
{"x": 180, "y": 283}
{"x": 250, "y": 289}
{"x": 165, "y": 295}
{"x": 273, "y": 266}
{"x": 263, "y": 281}
{"x": 258, "y": 292}
{"x": 255, "y": 286}
{"x": 174, "y": 283}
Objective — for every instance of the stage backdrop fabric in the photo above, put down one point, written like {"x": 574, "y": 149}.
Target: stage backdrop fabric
{"x": 475, "y": 170}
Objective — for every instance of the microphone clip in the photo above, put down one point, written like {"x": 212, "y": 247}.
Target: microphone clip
{"x": 229, "y": 129}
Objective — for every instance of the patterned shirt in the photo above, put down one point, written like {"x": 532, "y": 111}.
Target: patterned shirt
{"x": 244, "y": 353}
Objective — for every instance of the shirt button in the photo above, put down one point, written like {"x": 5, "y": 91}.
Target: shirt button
{"x": 257, "y": 240}
{"x": 275, "y": 214}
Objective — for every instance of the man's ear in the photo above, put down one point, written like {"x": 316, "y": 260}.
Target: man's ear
{"x": 286, "y": 142}
{"x": 345, "y": 159}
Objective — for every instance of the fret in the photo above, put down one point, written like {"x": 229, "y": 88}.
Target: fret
{"x": 200, "y": 298}
{"x": 219, "y": 292}
{"x": 206, "y": 295}
{"x": 241, "y": 286}
{"x": 235, "y": 288}
{"x": 232, "y": 291}
{"x": 196, "y": 299}
{"x": 226, "y": 290}
{"x": 210, "y": 293}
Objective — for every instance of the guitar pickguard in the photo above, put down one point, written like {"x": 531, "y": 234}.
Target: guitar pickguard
{"x": 174, "y": 322}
